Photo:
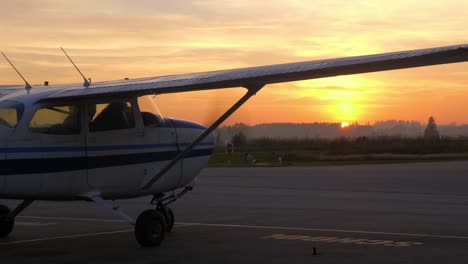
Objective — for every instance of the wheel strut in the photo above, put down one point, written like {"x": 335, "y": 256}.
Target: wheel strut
{"x": 7, "y": 217}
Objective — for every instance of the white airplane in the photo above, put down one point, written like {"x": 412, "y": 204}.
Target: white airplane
{"x": 107, "y": 141}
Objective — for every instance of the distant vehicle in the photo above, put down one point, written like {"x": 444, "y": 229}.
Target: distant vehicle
{"x": 108, "y": 141}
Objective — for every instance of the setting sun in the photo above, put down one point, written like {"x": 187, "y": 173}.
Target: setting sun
{"x": 344, "y": 124}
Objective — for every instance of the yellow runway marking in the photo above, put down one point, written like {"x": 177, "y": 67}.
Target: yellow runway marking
{"x": 346, "y": 240}
{"x": 331, "y": 230}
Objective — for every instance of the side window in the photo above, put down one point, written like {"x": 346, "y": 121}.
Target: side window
{"x": 149, "y": 112}
{"x": 10, "y": 113}
{"x": 57, "y": 120}
{"x": 110, "y": 116}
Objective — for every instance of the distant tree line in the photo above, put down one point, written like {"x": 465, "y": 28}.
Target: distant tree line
{"x": 431, "y": 142}
{"x": 391, "y": 128}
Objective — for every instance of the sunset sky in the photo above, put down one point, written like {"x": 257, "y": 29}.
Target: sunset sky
{"x": 117, "y": 39}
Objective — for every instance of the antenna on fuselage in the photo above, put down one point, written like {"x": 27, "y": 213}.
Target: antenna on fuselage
{"x": 86, "y": 82}
{"x": 27, "y": 85}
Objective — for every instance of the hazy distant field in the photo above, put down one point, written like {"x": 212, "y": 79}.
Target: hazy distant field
{"x": 268, "y": 152}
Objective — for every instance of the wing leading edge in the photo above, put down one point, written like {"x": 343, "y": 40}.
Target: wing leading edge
{"x": 262, "y": 75}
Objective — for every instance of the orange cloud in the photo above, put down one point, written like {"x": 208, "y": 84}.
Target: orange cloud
{"x": 118, "y": 39}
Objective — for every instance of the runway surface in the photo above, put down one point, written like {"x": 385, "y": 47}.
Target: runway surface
{"x": 403, "y": 213}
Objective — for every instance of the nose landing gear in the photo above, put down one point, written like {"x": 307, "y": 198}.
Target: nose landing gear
{"x": 150, "y": 228}
{"x": 168, "y": 216}
{"x": 152, "y": 225}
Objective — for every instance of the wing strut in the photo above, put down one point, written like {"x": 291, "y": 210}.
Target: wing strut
{"x": 251, "y": 90}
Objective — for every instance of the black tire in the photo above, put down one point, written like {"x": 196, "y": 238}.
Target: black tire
{"x": 6, "y": 225}
{"x": 150, "y": 228}
{"x": 168, "y": 216}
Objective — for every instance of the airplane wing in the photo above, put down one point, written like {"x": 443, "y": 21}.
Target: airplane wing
{"x": 262, "y": 75}
{"x": 6, "y": 89}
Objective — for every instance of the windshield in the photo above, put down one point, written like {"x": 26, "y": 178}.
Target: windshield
{"x": 10, "y": 113}
{"x": 149, "y": 111}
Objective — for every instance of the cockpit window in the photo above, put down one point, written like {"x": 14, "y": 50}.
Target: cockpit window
{"x": 149, "y": 112}
{"x": 10, "y": 113}
{"x": 110, "y": 116}
{"x": 57, "y": 120}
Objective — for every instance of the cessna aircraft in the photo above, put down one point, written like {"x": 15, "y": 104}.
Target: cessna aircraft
{"x": 107, "y": 141}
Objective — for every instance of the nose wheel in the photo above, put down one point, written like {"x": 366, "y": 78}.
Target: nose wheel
{"x": 150, "y": 228}
{"x": 152, "y": 225}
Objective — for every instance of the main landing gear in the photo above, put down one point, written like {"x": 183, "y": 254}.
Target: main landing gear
{"x": 6, "y": 223}
{"x": 151, "y": 225}
{"x": 7, "y": 217}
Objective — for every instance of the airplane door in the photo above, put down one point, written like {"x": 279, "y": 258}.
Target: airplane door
{"x": 165, "y": 140}
{"x": 114, "y": 147}
{"x": 161, "y": 135}
{"x": 4, "y": 133}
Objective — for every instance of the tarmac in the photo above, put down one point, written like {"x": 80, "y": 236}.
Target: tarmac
{"x": 400, "y": 213}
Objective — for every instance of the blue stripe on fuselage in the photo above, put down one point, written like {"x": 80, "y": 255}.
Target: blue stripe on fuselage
{"x": 95, "y": 148}
{"x": 51, "y": 165}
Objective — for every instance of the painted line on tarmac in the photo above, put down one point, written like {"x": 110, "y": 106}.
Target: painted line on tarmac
{"x": 330, "y": 230}
{"x": 182, "y": 224}
{"x": 92, "y": 220}
{"x": 67, "y": 237}
{"x": 72, "y": 218}
{"x": 21, "y": 223}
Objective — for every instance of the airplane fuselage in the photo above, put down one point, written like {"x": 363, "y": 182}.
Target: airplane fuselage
{"x": 110, "y": 146}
